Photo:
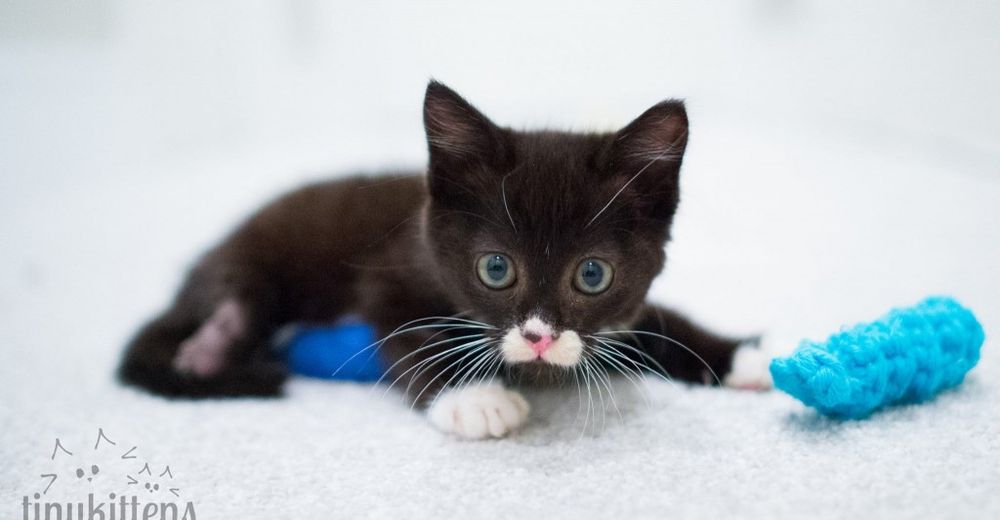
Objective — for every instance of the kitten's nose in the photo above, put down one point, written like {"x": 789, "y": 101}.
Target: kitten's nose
{"x": 538, "y": 342}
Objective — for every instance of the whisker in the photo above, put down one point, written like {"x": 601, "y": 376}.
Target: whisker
{"x": 474, "y": 368}
{"x": 613, "y": 355}
{"x": 600, "y": 393}
{"x": 620, "y": 190}
{"x": 402, "y": 329}
{"x": 579, "y": 394}
{"x": 668, "y": 153}
{"x": 626, "y": 372}
{"x": 477, "y": 350}
{"x": 503, "y": 194}
{"x": 424, "y": 346}
{"x": 602, "y": 377}
{"x": 590, "y": 400}
{"x": 470, "y": 336}
{"x": 488, "y": 354}
{"x": 660, "y": 372}
{"x": 632, "y": 373}
{"x": 474, "y": 196}
{"x": 496, "y": 366}
{"x": 486, "y": 368}
{"x": 423, "y": 363}
{"x": 591, "y": 405}
{"x": 443, "y": 386}
{"x": 675, "y": 342}
{"x": 374, "y": 347}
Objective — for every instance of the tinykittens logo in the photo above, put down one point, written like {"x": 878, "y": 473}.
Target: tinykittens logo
{"x": 108, "y": 482}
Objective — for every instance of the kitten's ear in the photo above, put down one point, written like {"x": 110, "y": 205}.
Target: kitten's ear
{"x": 458, "y": 135}
{"x": 647, "y": 155}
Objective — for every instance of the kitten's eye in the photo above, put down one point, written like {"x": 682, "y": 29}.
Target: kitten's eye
{"x": 496, "y": 270}
{"x": 593, "y": 276}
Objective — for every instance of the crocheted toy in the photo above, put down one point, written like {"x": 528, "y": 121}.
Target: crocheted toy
{"x": 336, "y": 352}
{"x": 907, "y": 356}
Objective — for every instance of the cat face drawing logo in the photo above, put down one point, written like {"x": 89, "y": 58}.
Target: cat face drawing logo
{"x": 94, "y": 470}
{"x": 106, "y": 479}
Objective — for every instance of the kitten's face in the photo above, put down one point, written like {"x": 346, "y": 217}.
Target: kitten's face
{"x": 549, "y": 236}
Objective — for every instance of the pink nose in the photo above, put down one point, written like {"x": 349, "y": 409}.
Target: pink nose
{"x": 538, "y": 342}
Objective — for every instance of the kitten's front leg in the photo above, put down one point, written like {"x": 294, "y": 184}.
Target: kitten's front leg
{"x": 478, "y": 411}
{"x": 668, "y": 342}
{"x": 448, "y": 375}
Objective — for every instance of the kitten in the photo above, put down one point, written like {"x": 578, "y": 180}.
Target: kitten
{"x": 517, "y": 256}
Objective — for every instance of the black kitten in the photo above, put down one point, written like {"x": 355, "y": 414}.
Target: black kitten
{"x": 520, "y": 256}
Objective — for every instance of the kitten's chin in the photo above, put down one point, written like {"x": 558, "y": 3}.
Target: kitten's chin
{"x": 540, "y": 374}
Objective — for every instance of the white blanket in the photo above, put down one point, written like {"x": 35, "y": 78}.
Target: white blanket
{"x": 793, "y": 242}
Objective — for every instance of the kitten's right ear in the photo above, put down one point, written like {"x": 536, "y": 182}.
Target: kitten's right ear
{"x": 646, "y": 157}
{"x": 458, "y": 135}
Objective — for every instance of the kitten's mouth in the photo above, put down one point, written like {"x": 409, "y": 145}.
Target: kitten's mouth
{"x": 537, "y": 342}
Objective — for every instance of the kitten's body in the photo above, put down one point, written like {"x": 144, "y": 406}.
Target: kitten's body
{"x": 397, "y": 250}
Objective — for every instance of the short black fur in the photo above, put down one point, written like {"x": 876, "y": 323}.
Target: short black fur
{"x": 399, "y": 248}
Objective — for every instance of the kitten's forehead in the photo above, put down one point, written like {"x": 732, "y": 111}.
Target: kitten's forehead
{"x": 557, "y": 183}
{"x": 573, "y": 153}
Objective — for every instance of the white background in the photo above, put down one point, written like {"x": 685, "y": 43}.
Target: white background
{"x": 233, "y": 100}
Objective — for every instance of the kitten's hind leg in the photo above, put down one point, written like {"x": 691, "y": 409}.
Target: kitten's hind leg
{"x": 667, "y": 341}
{"x": 206, "y": 346}
{"x": 203, "y": 354}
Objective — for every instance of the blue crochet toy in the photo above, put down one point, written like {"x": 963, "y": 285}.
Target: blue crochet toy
{"x": 907, "y": 356}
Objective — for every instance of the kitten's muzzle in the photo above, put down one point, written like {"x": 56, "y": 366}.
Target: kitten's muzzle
{"x": 539, "y": 342}
{"x": 536, "y": 340}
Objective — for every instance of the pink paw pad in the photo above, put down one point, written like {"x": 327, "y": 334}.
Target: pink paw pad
{"x": 204, "y": 353}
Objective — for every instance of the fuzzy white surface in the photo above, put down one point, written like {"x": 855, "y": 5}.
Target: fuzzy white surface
{"x": 797, "y": 243}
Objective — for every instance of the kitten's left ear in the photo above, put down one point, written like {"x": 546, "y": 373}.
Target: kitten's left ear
{"x": 457, "y": 133}
{"x": 647, "y": 155}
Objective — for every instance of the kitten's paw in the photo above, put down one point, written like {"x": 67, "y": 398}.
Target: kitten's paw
{"x": 204, "y": 353}
{"x": 750, "y": 369}
{"x": 478, "y": 411}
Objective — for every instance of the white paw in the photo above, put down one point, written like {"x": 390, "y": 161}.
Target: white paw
{"x": 750, "y": 369}
{"x": 478, "y": 411}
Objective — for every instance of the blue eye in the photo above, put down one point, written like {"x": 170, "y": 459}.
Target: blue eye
{"x": 496, "y": 270}
{"x": 593, "y": 276}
